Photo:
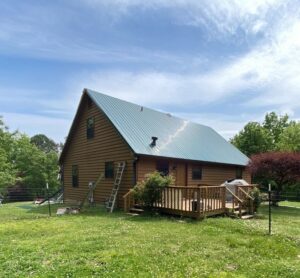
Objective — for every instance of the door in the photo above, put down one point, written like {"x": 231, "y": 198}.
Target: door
{"x": 181, "y": 175}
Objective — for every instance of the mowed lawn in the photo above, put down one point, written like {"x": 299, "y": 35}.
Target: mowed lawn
{"x": 97, "y": 244}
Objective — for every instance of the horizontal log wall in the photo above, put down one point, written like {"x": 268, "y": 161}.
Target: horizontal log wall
{"x": 91, "y": 154}
{"x": 212, "y": 174}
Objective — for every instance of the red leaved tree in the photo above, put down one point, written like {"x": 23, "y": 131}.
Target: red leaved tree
{"x": 281, "y": 168}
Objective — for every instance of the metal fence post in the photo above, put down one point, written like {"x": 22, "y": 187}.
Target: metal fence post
{"x": 49, "y": 207}
{"x": 270, "y": 212}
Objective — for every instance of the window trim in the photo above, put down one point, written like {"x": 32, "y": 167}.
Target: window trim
{"x": 75, "y": 177}
{"x": 112, "y": 174}
{"x": 197, "y": 176}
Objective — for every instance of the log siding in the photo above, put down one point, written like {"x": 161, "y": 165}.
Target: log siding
{"x": 212, "y": 174}
{"x": 91, "y": 154}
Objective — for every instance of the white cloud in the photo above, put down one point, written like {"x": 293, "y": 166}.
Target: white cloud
{"x": 221, "y": 16}
{"x": 268, "y": 75}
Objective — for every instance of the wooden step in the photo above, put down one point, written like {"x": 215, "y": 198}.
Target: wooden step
{"x": 136, "y": 210}
{"x": 243, "y": 211}
{"x": 247, "y": 216}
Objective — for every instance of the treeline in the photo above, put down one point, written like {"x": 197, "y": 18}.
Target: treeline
{"x": 276, "y": 133}
{"x": 274, "y": 149}
{"x": 27, "y": 164}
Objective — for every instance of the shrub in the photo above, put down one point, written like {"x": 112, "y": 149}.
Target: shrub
{"x": 255, "y": 193}
{"x": 148, "y": 191}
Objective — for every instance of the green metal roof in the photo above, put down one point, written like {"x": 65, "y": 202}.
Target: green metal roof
{"x": 177, "y": 138}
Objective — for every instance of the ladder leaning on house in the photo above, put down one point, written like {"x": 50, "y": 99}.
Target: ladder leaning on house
{"x": 113, "y": 196}
{"x": 90, "y": 193}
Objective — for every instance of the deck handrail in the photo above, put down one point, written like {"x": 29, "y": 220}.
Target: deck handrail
{"x": 128, "y": 201}
{"x": 128, "y": 193}
{"x": 238, "y": 199}
{"x": 249, "y": 196}
{"x": 195, "y": 187}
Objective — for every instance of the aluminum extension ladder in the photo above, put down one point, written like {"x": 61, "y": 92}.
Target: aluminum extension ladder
{"x": 112, "y": 198}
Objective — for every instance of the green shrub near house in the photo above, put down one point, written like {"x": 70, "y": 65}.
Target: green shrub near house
{"x": 148, "y": 191}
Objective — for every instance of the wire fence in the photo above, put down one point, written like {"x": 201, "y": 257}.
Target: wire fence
{"x": 42, "y": 202}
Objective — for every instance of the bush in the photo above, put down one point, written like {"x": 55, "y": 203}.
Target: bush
{"x": 149, "y": 190}
{"x": 255, "y": 193}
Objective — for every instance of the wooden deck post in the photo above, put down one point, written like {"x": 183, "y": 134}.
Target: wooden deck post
{"x": 224, "y": 199}
{"x": 198, "y": 202}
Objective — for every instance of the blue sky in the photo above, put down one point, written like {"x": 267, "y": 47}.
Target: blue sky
{"x": 220, "y": 63}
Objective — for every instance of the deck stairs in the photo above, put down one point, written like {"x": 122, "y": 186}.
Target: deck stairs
{"x": 136, "y": 210}
{"x": 240, "y": 207}
{"x": 113, "y": 196}
{"x": 244, "y": 213}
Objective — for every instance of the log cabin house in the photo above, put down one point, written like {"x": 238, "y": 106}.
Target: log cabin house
{"x": 107, "y": 131}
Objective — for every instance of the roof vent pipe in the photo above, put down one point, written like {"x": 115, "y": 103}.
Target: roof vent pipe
{"x": 153, "y": 143}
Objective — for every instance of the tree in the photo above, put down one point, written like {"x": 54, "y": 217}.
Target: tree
{"x": 35, "y": 167}
{"x": 289, "y": 139}
{"x": 253, "y": 139}
{"x": 7, "y": 169}
{"x": 44, "y": 143}
{"x": 275, "y": 125}
{"x": 24, "y": 167}
{"x": 279, "y": 168}
{"x": 256, "y": 138}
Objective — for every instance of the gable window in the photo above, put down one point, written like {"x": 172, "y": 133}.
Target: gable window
{"x": 90, "y": 125}
{"x": 239, "y": 173}
{"x": 109, "y": 170}
{"x": 197, "y": 173}
{"x": 75, "y": 176}
{"x": 162, "y": 166}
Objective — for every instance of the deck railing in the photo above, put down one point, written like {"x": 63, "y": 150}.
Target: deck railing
{"x": 129, "y": 201}
{"x": 243, "y": 192}
{"x": 198, "y": 201}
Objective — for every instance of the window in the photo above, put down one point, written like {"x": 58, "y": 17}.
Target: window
{"x": 239, "y": 173}
{"x": 109, "y": 170}
{"x": 197, "y": 173}
{"x": 90, "y": 124}
{"x": 75, "y": 176}
{"x": 162, "y": 167}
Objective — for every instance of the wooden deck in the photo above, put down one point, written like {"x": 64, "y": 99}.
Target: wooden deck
{"x": 192, "y": 201}
{"x": 196, "y": 202}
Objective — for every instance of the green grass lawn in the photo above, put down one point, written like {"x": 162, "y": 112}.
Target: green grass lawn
{"x": 290, "y": 204}
{"x": 98, "y": 244}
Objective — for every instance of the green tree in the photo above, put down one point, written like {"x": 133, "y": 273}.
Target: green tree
{"x": 35, "y": 167}
{"x": 253, "y": 139}
{"x": 289, "y": 139}
{"x": 26, "y": 166}
{"x": 44, "y": 143}
{"x": 275, "y": 125}
{"x": 7, "y": 169}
